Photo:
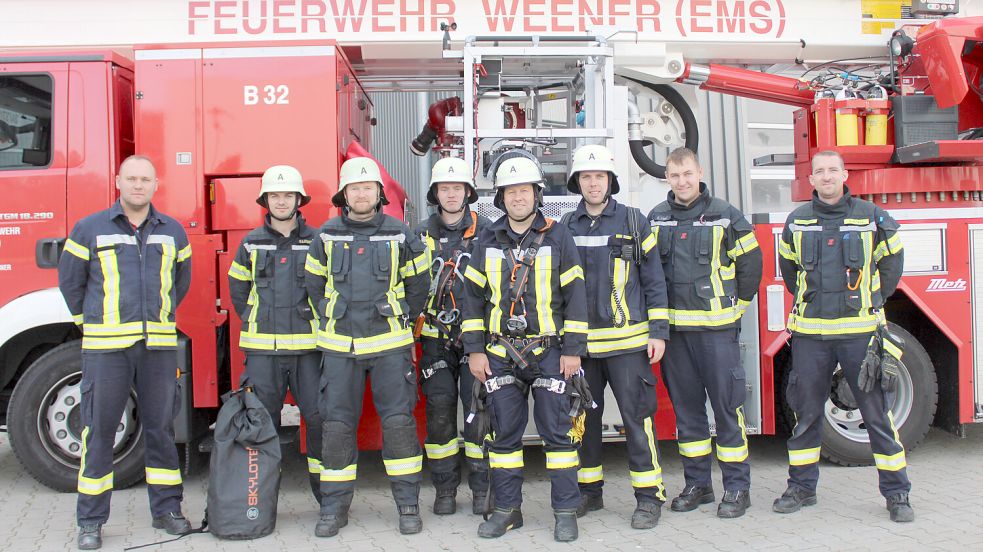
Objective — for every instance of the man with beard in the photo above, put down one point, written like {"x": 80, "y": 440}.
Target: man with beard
{"x": 629, "y": 323}
{"x": 449, "y": 235}
{"x": 525, "y": 327}
{"x": 368, "y": 274}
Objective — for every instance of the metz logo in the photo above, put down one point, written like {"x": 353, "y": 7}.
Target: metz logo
{"x": 941, "y": 284}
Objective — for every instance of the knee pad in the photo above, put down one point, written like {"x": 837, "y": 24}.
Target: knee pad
{"x": 399, "y": 438}
{"x": 441, "y": 418}
{"x": 338, "y": 448}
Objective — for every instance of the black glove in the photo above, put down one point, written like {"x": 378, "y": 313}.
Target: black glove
{"x": 871, "y": 366}
{"x": 891, "y": 350}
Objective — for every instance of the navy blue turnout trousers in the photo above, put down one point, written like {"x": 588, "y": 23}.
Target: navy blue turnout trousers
{"x": 633, "y": 383}
{"x": 551, "y": 412}
{"x": 697, "y": 365}
{"x": 813, "y": 363}
{"x": 394, "y": 393}
{"x": 106, "y": 382}
{"x": 271, "y": 376}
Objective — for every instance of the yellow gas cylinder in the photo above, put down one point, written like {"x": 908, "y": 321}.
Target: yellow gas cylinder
{"x": 847, "y": 118}
{"x": 876, "y": 117}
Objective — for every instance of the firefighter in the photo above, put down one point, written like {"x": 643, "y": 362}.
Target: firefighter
{"x": 841, "y": 258}
{"x": 629, "y": 323}
{"x": 525, "y": 326}
{"x": 368, "y": 274}
{"x": 124, "y": 272}
{"x": 279, "y": 330}
{"x": 449, "y": 235}
{"x": 712, "y": 265}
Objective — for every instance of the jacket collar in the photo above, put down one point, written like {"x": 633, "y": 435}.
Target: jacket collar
{"x": 838, "y": 209}
{"x": 609, "y": 210}
{"x": 116, "y": 211}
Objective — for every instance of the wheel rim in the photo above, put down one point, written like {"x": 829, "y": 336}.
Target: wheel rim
{"x": 60, "y": 423}
{"x": 844, "y": 417}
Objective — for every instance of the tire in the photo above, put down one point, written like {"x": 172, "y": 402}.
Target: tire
{"x": 45, "y": 423}
{"x": 845, "y": 441}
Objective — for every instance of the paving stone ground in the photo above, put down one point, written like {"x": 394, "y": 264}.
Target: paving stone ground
{"x": 947, "y": 496}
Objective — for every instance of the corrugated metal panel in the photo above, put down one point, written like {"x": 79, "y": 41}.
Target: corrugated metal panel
{"x": 400, "y": 117}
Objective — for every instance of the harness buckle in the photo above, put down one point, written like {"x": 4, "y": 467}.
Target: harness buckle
{"x": 429, "y": 371}
{"x": 552, "y": 385}
{"x": 517, "y": 323}
{"x": 448, "y": 317}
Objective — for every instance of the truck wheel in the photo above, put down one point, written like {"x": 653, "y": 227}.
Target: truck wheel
{"x": 845, "y": 439}
{"x": 45, "y": 423}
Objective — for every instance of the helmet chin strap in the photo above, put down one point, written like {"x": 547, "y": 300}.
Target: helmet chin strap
{"x": 461, "y": 210}
{"x": 523, "y": 219}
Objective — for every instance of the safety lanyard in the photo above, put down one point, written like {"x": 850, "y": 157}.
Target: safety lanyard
{"x": 519, "y": 274}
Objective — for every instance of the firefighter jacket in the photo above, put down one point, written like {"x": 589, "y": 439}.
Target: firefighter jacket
{"x": 554, "y": 303}
{"x": 710, "y": 258}
{"x": 449, "y": 248}
{"x": 369, "y": 281}
{"x": 840, "y": 263}
{"x": 268, "y": 288}
{"x": 626, "y": 296}
{"x": 122, "y": 284}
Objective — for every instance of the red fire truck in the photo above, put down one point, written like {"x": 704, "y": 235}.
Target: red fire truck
{"x": 214, "y": 116}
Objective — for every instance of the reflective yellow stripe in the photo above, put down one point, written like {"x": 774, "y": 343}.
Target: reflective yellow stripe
{"x": 817, "y": 326}
{"x": 785, "y": 250}
{"x": 544, "y": 290}
{"x": 154, "y": 340}
{"x": 312, "y": 265}
{"x": 624, "y": 344}
{"x": 714, "y": 317}
{"x": 78, "y": 319}
{"x": 77, "y": 249}
{"x": 161, "y": 476}
{"x": 240, "y": 272}
{"x": 558, "y": 460}
{"x": 344, "y": 474}
{"x": 382, "y": 342}
{"x": 590, "y": 475}
{"x": 104, "y": 343}
{"x": 493, "y": 265}
{"x": 473, "y": 325}
{"x": 404, "y": 466}
{"x": 648, "y": 243}
{"x": 92, "y": 485}
{"x": 473, "y": 450}
{"x": 744, "y": 244}
{"x": 314, "y": 465}
{"x": 167, "y": 255}
{"x": 643, "y": 479}
{"x": 437, "y": 451}
{"x": 890, "y": 462}
{"x": 184, "y": 254}
{"x": 112, "y": 330}
{"x": 110, "y": 286}
{"x": 574, "y": 326}
{"x": 505, "y": 460}
{"x": 803, "y": 457}
{"x": 732, "y": 454}
{"x": 475, "y": 276}
{"x": 571, "y": 274}
{"x": 658, "y": 314}
{"x": 892, "y": 349}
{"x": 694, "y": 449}
{"x": 619, "y": 279}
{"x": 894, "y": 245}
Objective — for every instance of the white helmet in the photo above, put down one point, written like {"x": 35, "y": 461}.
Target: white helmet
{"x": 593, "y": 157}
{"x": 518, "y": 170}
{"x": 358, "y": 169}
{"x": 515, "y": 171}
{"x": 282, "y": 178}
{"x": 451, "y": 169}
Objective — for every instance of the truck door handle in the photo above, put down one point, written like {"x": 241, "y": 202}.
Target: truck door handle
{"x": 47, "y": 251}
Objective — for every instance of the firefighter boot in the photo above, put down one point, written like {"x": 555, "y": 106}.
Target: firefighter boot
{"x": 172, "y": 522}
{"x": 501, "y": 521}
{"x": 589, "y": 503}
{"x": 646, "y": 515}
{"x": 565, "y": 529}
{"x": 446, "y": 502}
{"x": 90, "y": 537}
{"x": 410, "y": 522}
{"x": 691, "y": 497}
{"x": 899, "y": 507}
{"x": 330, "y": 524}
{"x": 793, "y": 499}
{"x": 734, "y": 504}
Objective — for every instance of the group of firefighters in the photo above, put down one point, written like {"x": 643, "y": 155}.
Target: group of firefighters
{"x": 525, "y": 304}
